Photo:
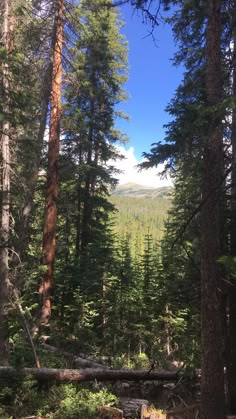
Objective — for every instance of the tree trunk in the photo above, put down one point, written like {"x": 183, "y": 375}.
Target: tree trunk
{"x": 50, "y": 219}
{"x": 231, "y": 349}
{"x": 79, "y": 208}
{"x": 89, "y": 374}
{"x": 5, "y": 210}
{"x": 212, "y": 356}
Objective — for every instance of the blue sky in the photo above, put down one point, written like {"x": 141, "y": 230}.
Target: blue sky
{"x": 152, "y": 82}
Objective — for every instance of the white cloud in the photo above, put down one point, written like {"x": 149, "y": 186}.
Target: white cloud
{"x": 150, "y": 177}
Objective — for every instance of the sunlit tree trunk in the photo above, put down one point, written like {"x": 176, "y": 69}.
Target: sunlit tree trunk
{"x": 50, "y": 219}
{"x": 5, "y": 210}
{"x": 212, "y": 357}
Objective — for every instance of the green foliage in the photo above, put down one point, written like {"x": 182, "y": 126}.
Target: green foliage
{"x": 52, "y": 402}
{"x": 83, "y": 403}
{"x": 229, "y": 264}
{"x": 140, "y": 361}
{"x": 118, "y": 290}
{"x": 137, "y": 216}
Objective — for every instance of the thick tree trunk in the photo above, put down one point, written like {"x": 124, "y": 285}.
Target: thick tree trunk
{"x": 5, "y": 210}
{"x": 231, "y": 349}
{"x": 212, "y": 357}
{"x": 72, "y": 375}
{"x": 49, "y": 233}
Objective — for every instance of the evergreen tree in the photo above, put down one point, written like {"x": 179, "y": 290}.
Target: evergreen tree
{"x": 212, "y": 313}
{"x": 85, "y": 250}
{"x": 100, "y": 70}
{"x": 201, "y": 48}
{"x": 27, "y": 110}
{"x": 49, "y": 232}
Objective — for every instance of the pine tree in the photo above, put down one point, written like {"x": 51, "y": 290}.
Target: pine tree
{"x": 99, "y": 68}
{"x": 208, "y": 143}
{"x": 97, "y": 62}
{"x": 212, "y": 363}
{"x": 101, "y": 71}
{"x": 49, "y": 233}
{"x": 27, "y": 112}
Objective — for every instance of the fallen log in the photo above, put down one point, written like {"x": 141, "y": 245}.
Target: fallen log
{"x": 88, "y": 374}
{"x": 77, "y": 360}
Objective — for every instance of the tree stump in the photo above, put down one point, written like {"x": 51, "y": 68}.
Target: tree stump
{"x": 131, "y": 407}
{"x": 107, "y": 412}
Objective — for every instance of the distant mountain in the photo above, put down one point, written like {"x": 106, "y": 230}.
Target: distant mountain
{"x": 140, "y": 191}
{"x": 142, "y": 210}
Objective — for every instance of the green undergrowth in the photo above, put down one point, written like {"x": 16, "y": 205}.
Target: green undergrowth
{"x": 24, "y": 398}
{"x": 67, "y": 401}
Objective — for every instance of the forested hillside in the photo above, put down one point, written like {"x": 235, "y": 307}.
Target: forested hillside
{"x": 141, "y": 211}
{"x": 133, "y": 293}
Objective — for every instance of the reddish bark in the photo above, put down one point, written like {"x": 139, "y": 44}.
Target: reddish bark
{"x": 50, "y": 220}
{"x": 212, "y": 359}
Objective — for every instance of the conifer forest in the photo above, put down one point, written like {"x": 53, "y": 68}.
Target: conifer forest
{"x": 115, "y": 304}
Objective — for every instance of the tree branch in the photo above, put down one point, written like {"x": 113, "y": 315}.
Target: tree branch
{"x": 199, "y": 207}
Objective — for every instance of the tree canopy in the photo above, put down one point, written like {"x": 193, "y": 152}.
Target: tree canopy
{"x": 128, "y": 282}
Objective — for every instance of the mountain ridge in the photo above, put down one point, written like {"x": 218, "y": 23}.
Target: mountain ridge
{"x": 140, "y": 191}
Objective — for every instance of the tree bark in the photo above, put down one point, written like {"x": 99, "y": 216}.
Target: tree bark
{"x": 5, "y": 210}
{"x": 231, "y": 349}
{"x": 79, "y": 207}
{"x": 50, "y": 219}
{"x": 212, "y": 356}
{"x": 73, "y": 375}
